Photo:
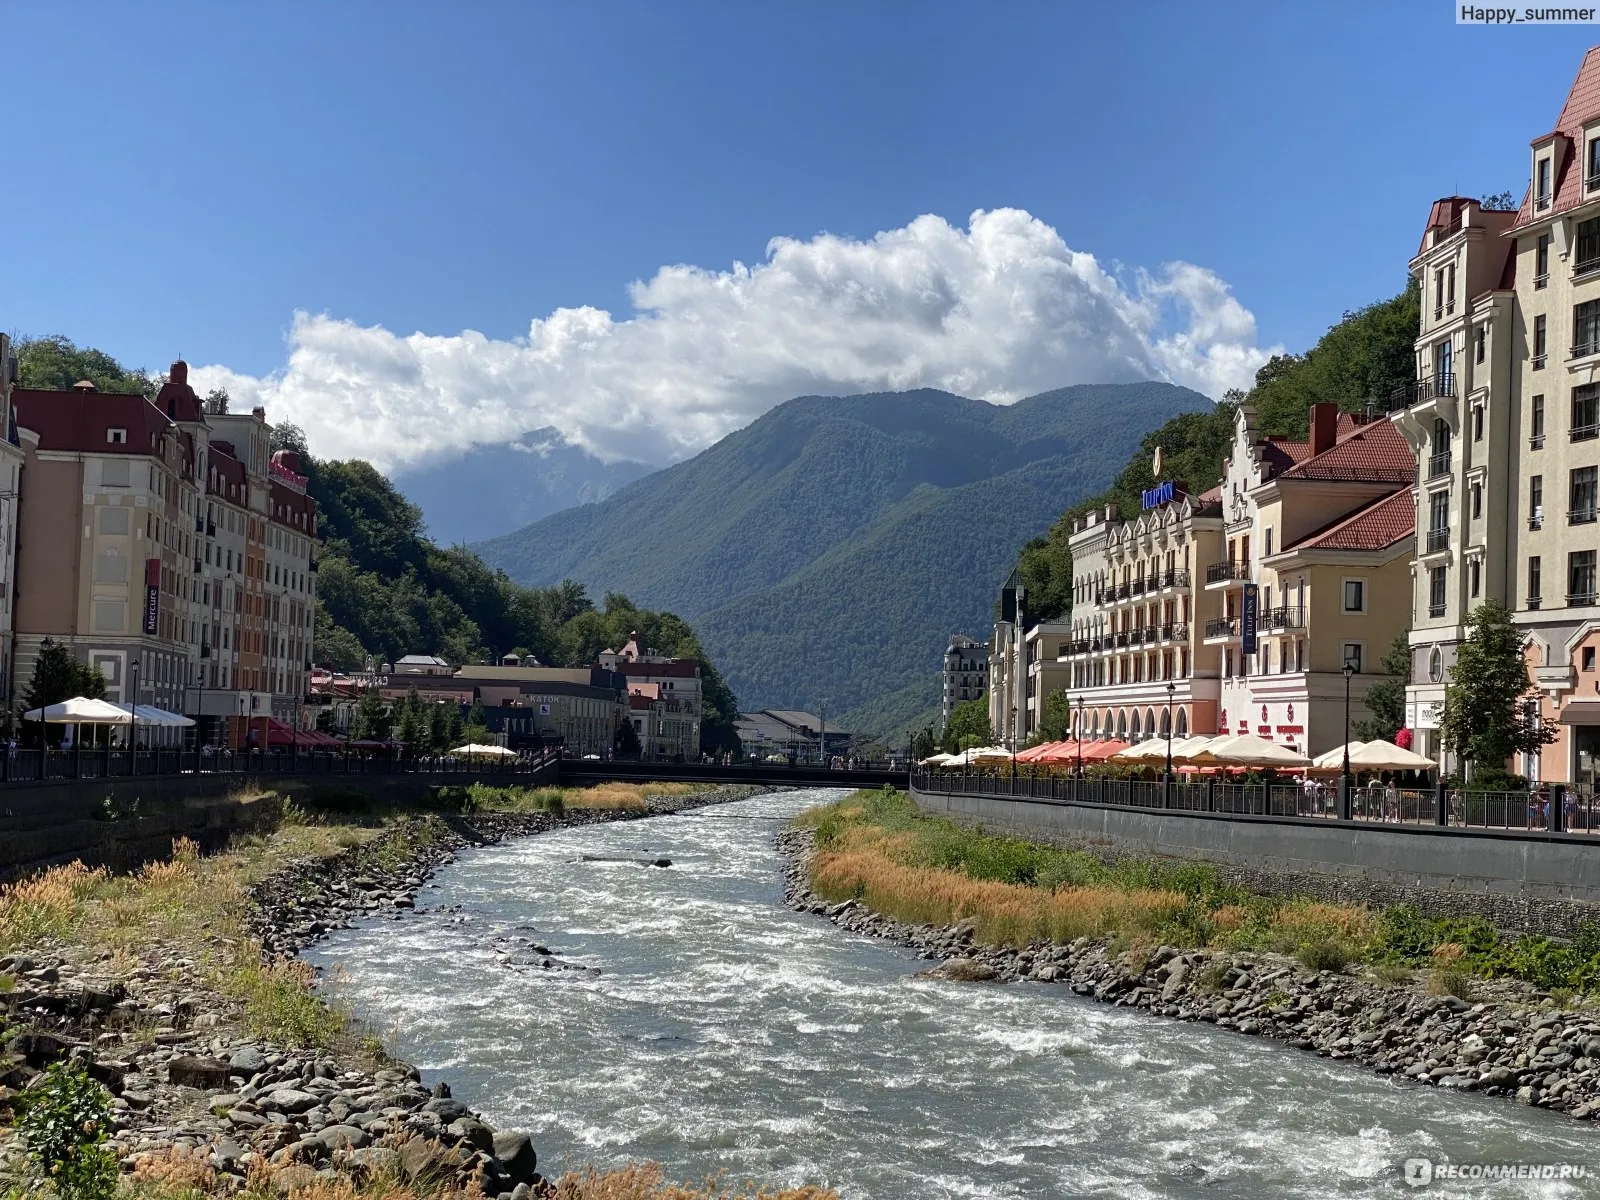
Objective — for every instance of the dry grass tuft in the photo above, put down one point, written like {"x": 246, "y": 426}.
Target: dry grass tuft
{"x": 646, "y": 1181}
{"x": 1002, "y": 913}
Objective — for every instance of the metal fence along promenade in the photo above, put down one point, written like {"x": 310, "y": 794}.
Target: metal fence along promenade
{"x": 43, "y": 766}
{"x": 1563, "y": 810}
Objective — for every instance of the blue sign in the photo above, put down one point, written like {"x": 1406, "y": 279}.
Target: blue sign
{"x": 1162, "y": 493}
{"x": 1248, "y": 618}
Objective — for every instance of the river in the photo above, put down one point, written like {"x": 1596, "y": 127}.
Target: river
{"x": 724, "y": 1032}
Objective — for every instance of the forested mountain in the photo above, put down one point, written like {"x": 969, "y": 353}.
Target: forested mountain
{"x": 826, "y": 551}
{"x": 1360, "y": 359}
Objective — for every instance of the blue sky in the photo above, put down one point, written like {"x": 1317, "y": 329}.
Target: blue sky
{"x": 184, "y": 179}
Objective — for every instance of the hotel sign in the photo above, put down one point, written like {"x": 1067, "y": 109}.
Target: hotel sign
{"x": 152, "y": 595}
{"x": 1162, "y": 493}
{"x": 1249, "y": 617}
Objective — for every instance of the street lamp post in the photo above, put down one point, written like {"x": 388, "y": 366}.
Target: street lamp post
{"x": 1344, "y": 778}
{"x": 133, "y": 721}
{"x": 1171, "y": 690}
{"x": 1080, "y": 737}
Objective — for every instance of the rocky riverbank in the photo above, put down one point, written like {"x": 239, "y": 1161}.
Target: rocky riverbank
{"x": 190, "y": 1083}
{"x": 1514, "y": 1042}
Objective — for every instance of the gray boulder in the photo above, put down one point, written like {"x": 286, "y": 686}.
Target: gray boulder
{"x": 516, "y": 1152}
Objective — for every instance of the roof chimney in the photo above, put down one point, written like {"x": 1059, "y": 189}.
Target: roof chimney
{"x": 179, "y": 373}
{"x": 1324, "y": 427}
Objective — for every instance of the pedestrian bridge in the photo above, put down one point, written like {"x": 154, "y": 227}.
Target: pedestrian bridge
{"x": 586, "y": 770}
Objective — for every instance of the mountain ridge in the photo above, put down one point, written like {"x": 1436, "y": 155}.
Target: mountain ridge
{"x": 873, "y": 525}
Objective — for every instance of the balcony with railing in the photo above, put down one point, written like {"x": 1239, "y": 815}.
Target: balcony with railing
{"x": 1439, "y": 464}
{"x": 1288, "y": 616}
{"x": 1429, "y": 387}
{"x": 1224, "y": 627}
{"x": 1580, "y": 599}
{"x": 1582, "y": 515}
{"x": 1438, "y": 539}
{"x": 1586, "y": 348}
{"x": 1226, "y": 572}
{"x": 1536, "y": 521}
{"x": 1435, "y": 610}
{"x": 1536, "y": 441}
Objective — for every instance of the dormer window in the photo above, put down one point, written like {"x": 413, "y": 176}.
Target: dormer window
{"x": 1541, "y": 185}
{"x": 117, "y": 437}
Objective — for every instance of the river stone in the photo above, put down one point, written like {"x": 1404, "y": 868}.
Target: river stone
{"x": 963, "y": 970}
{"x": 377, "y": 1160}
{"x": 247, "y": 1062}
{"x": 287, "y": 1100}
{"x": 473, "y": 1132}
{"x": 341, "y": 1137}
{"x": 445, "y": 1109}
{"x": 516, "y": 1152}
{"x": 202, "y": 1073}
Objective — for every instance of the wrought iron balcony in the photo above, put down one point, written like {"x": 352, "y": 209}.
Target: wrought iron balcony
{"x": 1439, "y": 464}
{"x": 1223, "y": 571}
{"x": 1178, "y": 577}
{"x": 1290, "y": 616}
{"x": 1223, "y": 627}
{"x": 1429, "y": 387}
{"x": 1438, "y": 539}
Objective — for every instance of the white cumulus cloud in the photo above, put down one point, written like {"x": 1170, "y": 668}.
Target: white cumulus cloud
{"x": 997, "y": 311}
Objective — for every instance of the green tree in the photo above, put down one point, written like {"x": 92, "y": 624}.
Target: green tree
{"x": 626, "y": 742}
{"x": 54, "y": 363}
{"x": 1056, "y": 724}
{"x": 372, "y": 719}
{"x": 968, "y": 726}
{"x": 216, "y": 402}
{"x": 453, "y": 728}
{"x": 924, "y": 744}
{"x": 475, "y": 715}
{"x": 1386, "y": 699}
{"x": 1499, "y": 202}
{"x": 439, "y": 726}
{"x": 1490, "y": 710}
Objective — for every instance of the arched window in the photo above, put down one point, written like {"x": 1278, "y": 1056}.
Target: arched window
{"x": 1122, "y": 723}
{"x": 1166, "y": 722}
{"x": 1183, "y": 723}
{"x": 1150, "y": 721}
{"x": 1136, "y": 728}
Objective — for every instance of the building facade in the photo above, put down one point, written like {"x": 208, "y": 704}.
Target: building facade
{"x": 1460, "y": 419}
{"x": 142, "y": 543}
{"x": 1318, "y": 540}
{"x": 672, "y": 721}
{"x": 1139, "y": 619}
{"x": 965, "y": 674}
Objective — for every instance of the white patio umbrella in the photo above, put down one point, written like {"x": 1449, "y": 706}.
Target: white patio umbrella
{"x": 486, "y": 751}
{"x": 1153, "y": 748}
{"x": 977, "y": 754}
{"x": 1333, "y": 760}
{"x": 940, "y": 759}
{"x": 1386, "y": 756}
{"x": 149, "y": 714}
{"x": 80, "y": 710}
{"x": 1248, "y": 750}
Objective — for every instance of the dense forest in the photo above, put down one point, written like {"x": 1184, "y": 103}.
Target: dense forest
{"x": 1361, "y": 359}
{"x": 384, "y": 589}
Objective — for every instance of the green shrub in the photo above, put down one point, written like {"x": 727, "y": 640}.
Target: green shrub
{"x": 1326, "y": 954}
{"x": 65, "y": 1121}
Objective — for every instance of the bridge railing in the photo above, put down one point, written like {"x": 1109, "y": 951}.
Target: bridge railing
{"x": 1562, "y": 810}
{"x": 39, "y": 766}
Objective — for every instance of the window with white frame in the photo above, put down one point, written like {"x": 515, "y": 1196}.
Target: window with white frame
{"x": 1355, "y": 595}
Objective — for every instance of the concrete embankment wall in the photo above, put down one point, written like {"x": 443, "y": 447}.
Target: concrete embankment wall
{"x": 1545, "y": 883}
{"x": 55, "y": 822}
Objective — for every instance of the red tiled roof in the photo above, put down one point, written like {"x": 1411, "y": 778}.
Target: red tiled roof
{"x": 1374, "y": 452}
{"x": 1583, "y": 105}
{"x": 1373, "y": 526}
{"x": 78, "y": 421}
